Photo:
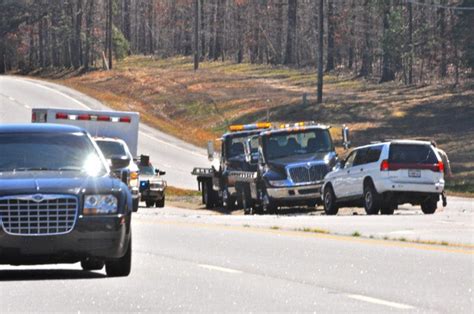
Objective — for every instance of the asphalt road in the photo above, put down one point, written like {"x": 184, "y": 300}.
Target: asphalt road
{"x": 18, "y": 96}
{"x": 203, "y": 262}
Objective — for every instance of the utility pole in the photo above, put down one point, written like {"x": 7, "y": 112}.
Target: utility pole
{"x": 197, "y": 23}
{"x": 320, "y": 54}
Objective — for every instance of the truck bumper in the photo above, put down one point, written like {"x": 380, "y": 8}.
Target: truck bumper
{"x": 92, "y": 237}
{"x": 295, "y": 193}
{"x": 152, "y": 194}
{"x": 388, "y": 185}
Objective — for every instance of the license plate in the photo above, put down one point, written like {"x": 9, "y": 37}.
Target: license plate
{"x": 414, "y": 173}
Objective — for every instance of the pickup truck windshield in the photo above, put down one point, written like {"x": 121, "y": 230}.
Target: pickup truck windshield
{"x": 147, "y": 170}
{"x": 281, "y": 145}
{"x": 111, "y": 148}
{"x": 49, "y": 152}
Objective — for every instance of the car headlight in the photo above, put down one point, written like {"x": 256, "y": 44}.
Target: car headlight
{"x": 278, "y": 183}
{"x": 100, "y": 205}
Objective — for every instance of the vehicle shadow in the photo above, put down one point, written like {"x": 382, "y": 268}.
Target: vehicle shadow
{"x": 47, "y": 274}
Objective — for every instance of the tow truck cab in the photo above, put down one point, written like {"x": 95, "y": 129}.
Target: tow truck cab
{"x": 217, "y": 186}
{"x": 291, "y": 162}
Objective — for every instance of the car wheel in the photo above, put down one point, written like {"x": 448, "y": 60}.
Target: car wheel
{"x": 136, "y": 204}
{"x": 387, "y": 209}
{"x": 149, "y": 204}
{"x": 330, "y": 202}
{"x": 429, "y": 206}
{"x": 372, "y": 200}
{"x": 92, "y": 264}
{"x": 120, "y": 267}
{"x": 160, "y": 203}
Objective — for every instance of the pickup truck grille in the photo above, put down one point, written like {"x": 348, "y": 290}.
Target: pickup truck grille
{"x": 38, "y": 215}
{"x": 307, "y": 174}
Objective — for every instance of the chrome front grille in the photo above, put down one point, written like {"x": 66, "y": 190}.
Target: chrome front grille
{"x": 307, "y": 174}
{"x": 38, "y": 215}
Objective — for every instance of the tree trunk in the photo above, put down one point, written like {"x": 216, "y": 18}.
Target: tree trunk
{"x": 279, "y": 33}
{"x": 410, "y": 43}
{"x": 89, "y": 26}
{"x": 109, "y": 14}
{"x": 126, "y": 20}
{"x": 203, "y": 28}
{"x": 321, "y": 51}
{"x": 351, "y": 53}
{"x": 330, "y": 49}
{"x": 366, "y": 66}
{"x": 197, "y": 23}
{"x": 443, "y": 40}
{"x": 77, "y": 34}
{"x": 291, "y": 34}
{"x": 388, "y": 73}
{"x": 212, "y": 30}
{"x": 220, "y": 29}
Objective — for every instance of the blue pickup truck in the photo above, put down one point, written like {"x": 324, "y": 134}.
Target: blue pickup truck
{"x": 60, "y": 202}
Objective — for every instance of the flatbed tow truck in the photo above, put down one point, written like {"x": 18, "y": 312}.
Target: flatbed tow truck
{"x": 218, "y": 189}
{"x": 288, "y": 164}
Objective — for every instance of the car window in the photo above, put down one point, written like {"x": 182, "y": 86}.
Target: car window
{"x": 361, "y": 157}
{"x": 409, "y": 153}
{"x": 373, "y": 155}
{"x": 350, "y": 160}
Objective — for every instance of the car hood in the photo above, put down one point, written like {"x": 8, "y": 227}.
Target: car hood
{"x": 55, "y": 183}
{"x": 150, "y": 178}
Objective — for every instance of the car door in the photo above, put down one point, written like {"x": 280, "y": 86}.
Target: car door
{"x": 357, "y": 173}
{"x": 342, "y": 181}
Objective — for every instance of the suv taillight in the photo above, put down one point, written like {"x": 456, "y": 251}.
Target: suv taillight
{"x": 439, "y": 167}
{"x": 385, "y": 165}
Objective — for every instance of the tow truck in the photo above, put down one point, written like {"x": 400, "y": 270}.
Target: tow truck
{"x": 115, "y": 132}
{"x": 215, "y": 184}
{"x": 290, "y": 163}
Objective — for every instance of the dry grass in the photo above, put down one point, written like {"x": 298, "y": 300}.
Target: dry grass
{"x": 199, "y": 106}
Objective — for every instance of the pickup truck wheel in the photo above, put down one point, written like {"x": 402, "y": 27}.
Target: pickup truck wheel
{"x": 161, "y": 203}
{"x": 92, "y": 264}
{"x": 330, "y": 205}
{"x": 149, "y": 204}
{"x": 120, "y": 267}
{"x": 136, "y": 204}
{"x": 429, "y": 206}
{"x": 372, "y": 200}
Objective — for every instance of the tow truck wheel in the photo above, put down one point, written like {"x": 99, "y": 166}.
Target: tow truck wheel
{"x": 136, "y": 204}
{"x": 120, "y": 267}
{"x": 92, "y": 264}
{"x": 207, "y": 195}
{"x": 149, "y": 204}
{"x": 269, "y": 206}
{"x": 161, "y": 203}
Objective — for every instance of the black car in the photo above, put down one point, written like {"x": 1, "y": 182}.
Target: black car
{"x": 60, "y": 202}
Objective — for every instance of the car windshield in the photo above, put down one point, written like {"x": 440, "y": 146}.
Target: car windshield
{"x": 112, "y": 148}
{"x": 49, "y": 152}
{"x": 409, "y": 153}
{"x": 147, "y": 170}
{"x": 282, "y": 145}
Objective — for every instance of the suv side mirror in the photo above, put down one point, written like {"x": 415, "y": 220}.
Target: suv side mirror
{"x": 210, "y": 150}
{"x": 118, "y": 162}
{"x": 345, "y": 137}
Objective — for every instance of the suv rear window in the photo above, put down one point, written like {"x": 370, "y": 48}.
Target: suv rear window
{"x": 412, "y": 154}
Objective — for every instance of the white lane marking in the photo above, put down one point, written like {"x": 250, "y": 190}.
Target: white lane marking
{"x": 171, "y": 145}
{"x": 402, "y": 232}
{"x": 396, "y": 305}
{"x": 222, "y": 269}
{"x": 54, "y": 90}
{"x": 27, "y": 107}
{"x": 11, "y": 98}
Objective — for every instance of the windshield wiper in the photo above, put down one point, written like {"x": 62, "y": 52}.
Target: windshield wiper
{"x": 32, "y": 169}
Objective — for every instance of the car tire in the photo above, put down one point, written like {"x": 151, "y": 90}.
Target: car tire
{"x": 160, "y": 203}
{"x": 149, "y": 204}
{"x": 330, "y": 202}
{"x": 92, "y": 264}
{"x": 372, "y": 200}
{"x": 387, "y": 209}
{"x": 120, "y": 267}
{"x": 136, "y": 204}
{"x": 429, "y": 206}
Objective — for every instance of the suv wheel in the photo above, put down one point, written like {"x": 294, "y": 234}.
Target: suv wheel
{"x": 160, "y": 203}
{"x": 372, "y": 200}
{"x": 330, "y": 205}
{"x": 429, "y": 206}
{"x": 92, "y": 264}
{"x": 387, "y": 209}
{"x": 120, "y": 267}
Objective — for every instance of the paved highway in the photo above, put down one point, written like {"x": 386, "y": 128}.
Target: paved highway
{"x": 202, "y": 262}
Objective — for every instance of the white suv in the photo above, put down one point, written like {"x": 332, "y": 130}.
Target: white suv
{"x": 381, "y": 176}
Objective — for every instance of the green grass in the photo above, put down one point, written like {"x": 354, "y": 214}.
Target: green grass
{"x": 356, "y": 234}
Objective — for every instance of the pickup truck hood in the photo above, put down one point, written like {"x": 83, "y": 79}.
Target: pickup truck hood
{"x": 298, "y": 159}
{"x": 54, "y": 183}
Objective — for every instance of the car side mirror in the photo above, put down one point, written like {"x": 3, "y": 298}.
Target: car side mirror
{"x": 118, "y": 162}
{"x": 345, "y": 137}
{"x": 210, "y": 150}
